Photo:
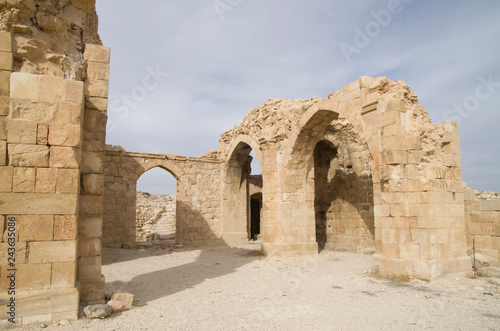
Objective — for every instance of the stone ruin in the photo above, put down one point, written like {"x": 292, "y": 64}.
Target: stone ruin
{"x": 364, "y": 169}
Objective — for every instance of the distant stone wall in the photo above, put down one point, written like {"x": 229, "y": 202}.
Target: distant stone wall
{"x": 482, "y": 218}
{"x": 155, "y": 215}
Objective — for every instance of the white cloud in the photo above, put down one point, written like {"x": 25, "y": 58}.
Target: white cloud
{"x": 220, "y": 70}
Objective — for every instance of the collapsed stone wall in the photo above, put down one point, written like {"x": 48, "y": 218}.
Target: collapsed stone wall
{"x": 197, "y": 194}
{"x": 155, "y": 217}
{"x": 482, "y": 217}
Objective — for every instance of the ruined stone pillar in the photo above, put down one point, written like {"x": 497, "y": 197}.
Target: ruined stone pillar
{"x": 419, "y": 211}
{"x": 43, "y": 146}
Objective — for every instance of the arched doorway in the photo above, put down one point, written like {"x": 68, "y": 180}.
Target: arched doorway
{"x": 156, "y": 210}
{"x": 343, "y": 193}
{"x": 242, "y": 198}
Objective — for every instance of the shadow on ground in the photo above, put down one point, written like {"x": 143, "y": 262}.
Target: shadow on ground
{"x": 213, "y": 262}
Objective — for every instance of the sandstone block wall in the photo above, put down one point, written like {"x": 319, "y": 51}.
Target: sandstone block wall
{"x": 45, "y": 59}
{"x": 197, "y": 197}
{"x": 155, "y": 217}
{"x": 482, "y": 217}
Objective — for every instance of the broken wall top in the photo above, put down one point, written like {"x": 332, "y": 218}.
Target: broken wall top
{"x": 49, "y": 35}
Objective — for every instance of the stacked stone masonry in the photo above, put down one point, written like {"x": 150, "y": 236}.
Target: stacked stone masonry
{"x": 364, "y": 169}
{"x": 155, "y": 217}
{"x": 482, "y": 216}
{"x": 49, "y": 71}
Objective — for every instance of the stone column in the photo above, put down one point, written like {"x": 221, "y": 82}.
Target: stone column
{"x": 90, "y": 279}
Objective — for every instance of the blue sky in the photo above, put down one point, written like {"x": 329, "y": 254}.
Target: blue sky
{"x": 183, "y": 72}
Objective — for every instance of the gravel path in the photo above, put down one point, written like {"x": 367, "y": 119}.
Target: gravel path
{"x": 222, "y": 288}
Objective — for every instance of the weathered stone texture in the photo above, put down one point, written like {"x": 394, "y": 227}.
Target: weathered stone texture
{"x": 197, "y": 202}
{"x": 482, "y": 220}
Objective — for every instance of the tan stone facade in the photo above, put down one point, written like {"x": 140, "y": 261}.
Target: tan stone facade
{"x": 364, "y": 169}
{"x": 53, "y": 114}
{"x": 482, "y": 217}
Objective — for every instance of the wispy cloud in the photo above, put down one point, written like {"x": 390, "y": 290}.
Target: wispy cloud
{"x": 221, "y": 69}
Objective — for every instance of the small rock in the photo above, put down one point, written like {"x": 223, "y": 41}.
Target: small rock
{"x": 116, "y": 306}
{"x": 179, "y": 246}
{"x": 64, "y": 322}
{"x": 43, "y": 325}
{"x": 126, "y": 298}
{"x": 125, "y": 246}
{"x": 97, "y": 311}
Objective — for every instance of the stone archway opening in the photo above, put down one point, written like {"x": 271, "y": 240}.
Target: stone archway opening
{"x": 242, "y": 198}
{"x": 343, "y": 194}
{"x": 156, "y": 211}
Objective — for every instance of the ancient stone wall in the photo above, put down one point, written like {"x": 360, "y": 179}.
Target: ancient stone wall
{"x": 155, "y": 217}
{"x": 418, "y": 221}
{"x": 197, "y": 197}
{"x": 53, "y": 97}
{"x": 482, "y": 217}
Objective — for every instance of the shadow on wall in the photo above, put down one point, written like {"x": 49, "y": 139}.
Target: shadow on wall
{"x": 214, "y": 260}
{"x": 343, "y": 201}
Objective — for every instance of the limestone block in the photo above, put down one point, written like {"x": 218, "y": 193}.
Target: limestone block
{"x": 22, "y": 155}
{"x": 52, "y": 251}
{"x": 73, "y": 91}
{"x": 6, "y": 61}
{"x": 23, "y": 180}
{"x": 20, "y": 253}
{"x": 4, "y": 81}
{"x": 92, "y": 290}
{"x": 63, "y": 274}
{"x": 91, "y": 205}
{"x": 126, "y": 298}
{"x": 65, "y": 227}
{"x": 69, "y": 113}
{"x": 98, "y": 70}
{"x": 51, "y": 89}
{"x": 6, "y": 174}
{"x": 39, "y": 112}
{"x": 3, "y": 153}
{"x": 24, "y": 86}
{"x": 92, "y": 163}
{"x": 491, "y": 204}
{"x": 90, "y": 226}
{"x": 40, "y": 302}
{"x": 94, "y": 120}
{"x": 389, "y": 118}
{"x": 22, "y": 132}
{"x": 89, "y": 246}
{"x": 39, "y": 203}
{"x": 4, "y": 105}
{"x": 97, "y": 53}
{"x": 65, "y": 157}
{"x": 36, "y": 227}
{"x": 5, "y": 41}
{"x": 42, "y": 134}
{"x": 92, "y": 183}
{"x": 96, "y": 103}
{"x": 67, "y": 181}
{"x": 3, "y": 127}
{"x": 45, "y": 180}
{"x": 65, "y": 135}
{"x": 96, "y": 145}
{"x": 89, "y": 267}
{"x": 395, "y": 156}
{"x": 96, "y": 88}
{"x": 33, "y": 276}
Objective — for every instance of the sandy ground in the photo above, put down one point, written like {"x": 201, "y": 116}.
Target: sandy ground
{"x": 222, "y": 288}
